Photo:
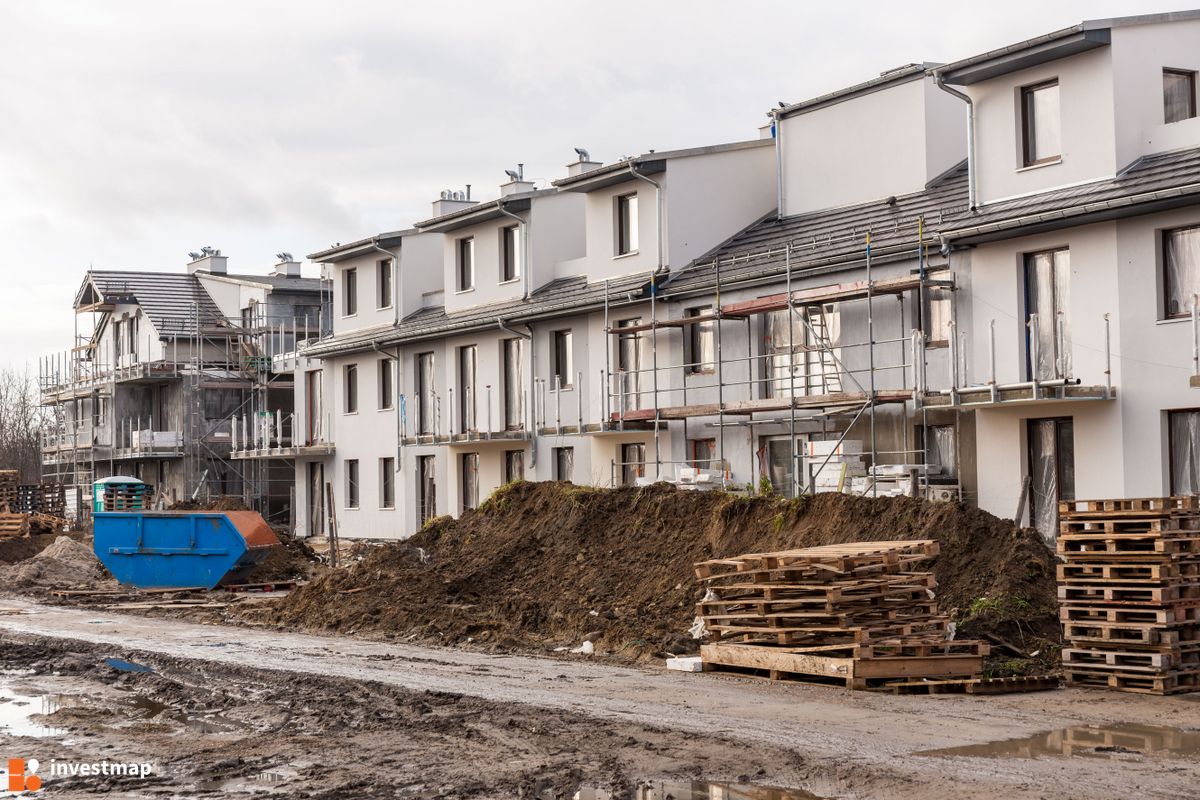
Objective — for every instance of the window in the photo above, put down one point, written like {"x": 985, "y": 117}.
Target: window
{"x": 1048, "y": 295}
{"x": 426, "y": 488}
{"x": 802, "y": 357}
{"x": 564, "y": 463}
{"x": 513, "y": 356}
{"x": 470, "y": 481}
{"x": 385, "y": 383}
{"x": 352, "y": 483}
{"x": 629, "y": 365}
{"x": 220, "y": 404}
{"x": 1183, "y": 432}
{"x": 700, "y": 342}
{"x": 466, "y": 383}
{"x": 387, "y": 483}
{"x": 627, "y": 224}
{"x": 1051, "y": 471}
{"x": 938, "y": 444}
{"x": 350, "y": 397}
{"x": 514, "y": 466}
{"x": 633, "y": 463}
{"x": 937, "y": 315}
{"x": 350, "y": 292}
{"x": 704, "y": 453}
{"x": 383, "y": 285}
{"x": 1179, "y": 95}
{"x": 466, "y": 264}
{"x": 564, "y": 361}
{"x": 426, "y": 400}
{"x": 1181, "y": 273}
{"x": 1041, "y": 124}
{"x": 510, "y": 253}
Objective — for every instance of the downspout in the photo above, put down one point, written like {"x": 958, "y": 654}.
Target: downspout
{"x": 396, "y": 296}
{"x": 777, "y": 135}
{"x": 524, "y": 244}
{"x": 529, "y": 403}
{"x": 972, "y": 195}
{"x": 658, "y": 215}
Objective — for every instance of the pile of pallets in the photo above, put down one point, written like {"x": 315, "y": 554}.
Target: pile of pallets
{"x": 1129, "y": 593}
{"x": 858, "y": 612}
{"x": 127, "y": 496}
{"x": 9, "y": 480}
{"x": 12, "y": 525}
{"x": 41, "y": 498}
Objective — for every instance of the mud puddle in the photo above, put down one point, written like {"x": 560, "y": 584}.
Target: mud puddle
{"x": 700, "y": 790}
{"x": 1093, "y": 741}
{"x": 18, "y": 709}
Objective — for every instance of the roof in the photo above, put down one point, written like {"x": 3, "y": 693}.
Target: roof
{"x": 1087, "y": 35}
{"x": 341, "y": 252}
{"x": 894, "y": 77}
{"x": 648, "y": 163}
{"x": 170, "y": 300}
{"x": 482, "y": 212}
{"x": 276, "y": 283}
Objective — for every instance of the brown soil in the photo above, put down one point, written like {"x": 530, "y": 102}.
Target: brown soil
{"x": 19, "y": 548}
{"x": 65, "y": 564}
{"x": 542, "y": 565}
{"x": 293, "y": 560}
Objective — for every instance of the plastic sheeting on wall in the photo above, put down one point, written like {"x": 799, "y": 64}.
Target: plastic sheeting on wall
{"x": 1185, "y": 452}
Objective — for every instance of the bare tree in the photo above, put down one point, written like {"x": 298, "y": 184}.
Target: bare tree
{"x": 21, "y": 422}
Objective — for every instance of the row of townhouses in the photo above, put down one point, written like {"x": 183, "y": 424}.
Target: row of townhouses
{"x": 973, "y": 280}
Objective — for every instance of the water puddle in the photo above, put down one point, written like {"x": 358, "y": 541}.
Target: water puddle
{"x": 17, "y": 711}
{"x": 700, "y": 790}
{"x": 271, "y": 781}
{"x": 1095, "y": 741}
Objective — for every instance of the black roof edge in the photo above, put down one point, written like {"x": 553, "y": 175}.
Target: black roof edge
{"x": 886, "y": 80}
{"x": 341, "y": 252}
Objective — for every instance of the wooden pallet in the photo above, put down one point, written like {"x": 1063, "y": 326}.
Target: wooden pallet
{"x": 833, "y": 561}
{"x": 14, "y": 525}
{"x": 1117, "y": 544}
{"x": 1010, "y": 685}
{"x": 1169, "y": 683}
{"x": 1175, "y": 614}
{"x": 1124, "y": 660}
{"x": 1071, "y": 509}
{"x": 1181, "y": 525}
{"x": 1142, "y": 595}
{"x": 1130, "y": 634}
{"x": 855, "y": 673}
{"x": 1105, "y": 572}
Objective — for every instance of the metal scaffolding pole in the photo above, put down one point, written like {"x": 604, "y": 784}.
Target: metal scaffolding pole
{"x": 871, "y": 364}
{"x": 793, "y": 471}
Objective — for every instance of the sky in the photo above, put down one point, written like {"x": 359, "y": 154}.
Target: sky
{"x": 135, "y": 131}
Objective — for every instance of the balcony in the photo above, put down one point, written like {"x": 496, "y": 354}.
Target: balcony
{"x": 270, "y": 434}
{"x": 146, "y": 443}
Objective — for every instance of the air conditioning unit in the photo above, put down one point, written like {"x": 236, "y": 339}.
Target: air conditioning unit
{"x": 942, "y": 494}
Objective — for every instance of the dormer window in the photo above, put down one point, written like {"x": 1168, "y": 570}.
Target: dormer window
{"x": 1041, "y": 124}
{"x": 466, "y": 264}
{"x": 1179, "y": 95}
{"x": 627, "y": 224}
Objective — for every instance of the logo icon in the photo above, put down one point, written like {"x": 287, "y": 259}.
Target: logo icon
{"x": 22, "y": 775}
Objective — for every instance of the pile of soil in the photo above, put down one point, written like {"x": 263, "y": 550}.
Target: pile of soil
{"x": 293, "y": 560}
{"x": 223, "y": 503}
{"x": 19, "y": 548}
{"x": 544, "y": 565}
{"x": 65, "y": 564}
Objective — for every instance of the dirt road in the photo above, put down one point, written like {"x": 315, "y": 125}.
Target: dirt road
{"x": 587, "y": 722}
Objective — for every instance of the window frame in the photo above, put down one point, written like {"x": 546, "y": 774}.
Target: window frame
{"x": 387, "y": 388}
{"x": 353, "y": 484}
{"x": 464, "y": 260}
{"x": 558, "y": 453}
{"x": 693, "y": 452}
{"x": 350, "y": 292}
{"x": 627, "y": 238}
{"x": 1190, "y": 75}
{"x": 1165, "y": 236}
{"x": 692, "y": 344}
{"x": 387, "y": 482}
{"x": 426, "y": 394}
{"x": 510, "y": 257}
{"x": 1029, "y": 121}
{"x": 465, "y": 462}
{"x": 1171, "y": 414}
{"x": 511, "y": 457}
{"x": 384, "y": 286}
{"x": 350, "y": 389}
{"x": 563, "y": 342}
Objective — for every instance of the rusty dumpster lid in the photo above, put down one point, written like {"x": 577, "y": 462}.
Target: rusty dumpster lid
{"x": 253, "y": 527}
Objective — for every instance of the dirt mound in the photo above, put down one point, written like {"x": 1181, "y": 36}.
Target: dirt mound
{"x": 19, "y": 548}
{"x": 293, "y": 560}
{"x": 65, "y": 564}
{"x": 551, "y": 564}
{"x": 223, "y": 503}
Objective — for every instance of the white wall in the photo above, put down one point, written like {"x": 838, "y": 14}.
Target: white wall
{"x": 1139, "y": 54}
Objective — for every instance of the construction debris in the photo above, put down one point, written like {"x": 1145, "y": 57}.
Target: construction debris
{"x": 854, "y": 612}
{"x": 1130, "y": 593}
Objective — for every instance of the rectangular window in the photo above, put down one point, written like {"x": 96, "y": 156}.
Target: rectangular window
{"x": 1041, "y": 123}
{"x": 468, "y": 402}
{"x": 937, "y": 315}
{"x": 514, "y": 466}
{"x": 514, "y": 383}
{"x": 1051, "y": 471}
{"x": 803, "y": 355}
{"x": 352, "y": 483}
{"x": 633, "y": 463}
{"x": 1183, "y": 433}
{"x": 385, "y": 383}
{"x": 466, "y": 264}
{"x": 1048, "y": 295}
{"x": 627, "y": 224}
{"x": 629, "y": 365}
{"x": 426, "y": 488}
{"x": 939, "y": 445}
{"x": 704, "y": 453}
{"x": 350, "y": 396}
{"x": 470, "y": 481}
{"x": 387, "y": 483}
{"x": 350, "y": 292}
{"x": 1179, "y": 95}
{"x": 384, "y": 284}
{"x": 700, "y": 342}
{"x": 564, "y": 360}
{"x": 564, "y": 463}
{"x": 510, "y": 253}
{"x": 1181, "y": 270}
{"x": 426, "y": 400}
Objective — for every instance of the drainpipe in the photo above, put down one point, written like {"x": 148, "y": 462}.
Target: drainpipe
{"x": 396, "y": 296}
{"x": 530, "y": 400}
{"x": 777, "y": 131}
{"x": 939, "y": 80}
{"x": 524, "y": 244}
{"x": 658, "y": 215}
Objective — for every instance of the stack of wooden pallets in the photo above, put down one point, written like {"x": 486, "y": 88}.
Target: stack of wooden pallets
{"x": 1129, "y": 593}
{"x": 9, "y": 479}
{"x": 41, "y": 498}
{"x": 127, "y": 496}
{"x": 13, "y": 525}
{"x": 859, "y": 612}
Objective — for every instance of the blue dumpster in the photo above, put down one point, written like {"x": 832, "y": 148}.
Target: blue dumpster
{"x": 178, "y": 549}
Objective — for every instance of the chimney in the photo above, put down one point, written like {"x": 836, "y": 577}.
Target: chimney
{"x": 208, "y": 260}
{"x": 516, "y": 182}
{"x": 584, "y": 164}
{"x": 453, "y": 200}
{"x": 287, "y": 267}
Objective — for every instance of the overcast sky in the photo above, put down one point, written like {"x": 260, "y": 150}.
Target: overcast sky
{"x": 132, "y": 132}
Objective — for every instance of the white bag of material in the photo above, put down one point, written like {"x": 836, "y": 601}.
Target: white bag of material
{"x": 587, "y": 648}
